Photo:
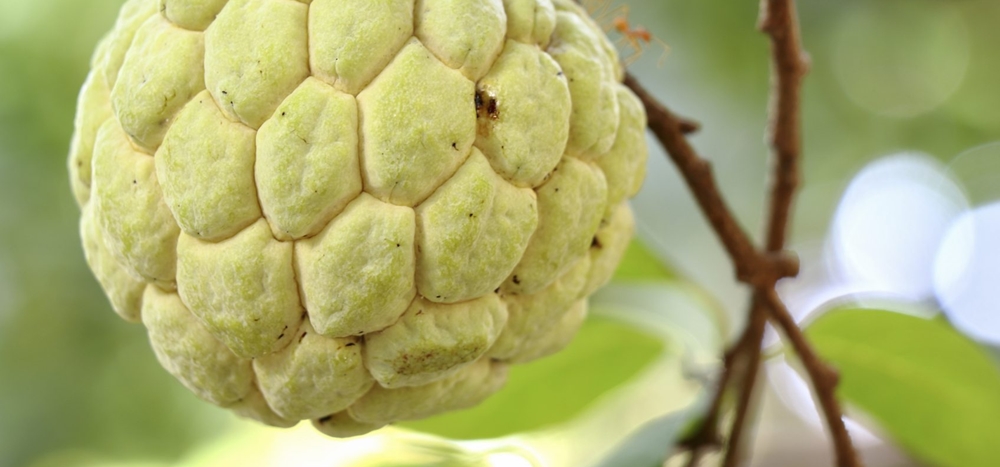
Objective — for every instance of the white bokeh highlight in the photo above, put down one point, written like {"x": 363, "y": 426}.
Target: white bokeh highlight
{"x": 890, "y": 221}
{"x": 902, "y": 238}
{"x": 967, "y": 273}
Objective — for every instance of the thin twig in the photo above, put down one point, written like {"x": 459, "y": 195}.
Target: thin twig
{"x": 755, "y": 335}
{"x": 760, "y": 270}
{"x": 779, "y": 20}
{"x": 707, "y": 435}
{"x": 752, "y": 267}
{"x": 788, "y": 67}
{"x": 824, "y": 379}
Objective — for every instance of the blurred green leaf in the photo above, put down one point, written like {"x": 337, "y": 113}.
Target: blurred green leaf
{"x": 641, "y": 264}
{"x": 653, "y": 442}
{"x": 604, "y": 354}
{"x": 932, "y": 389}
{"x": 424, "y": 454}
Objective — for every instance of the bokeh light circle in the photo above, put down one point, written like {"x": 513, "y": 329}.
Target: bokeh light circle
{"x": 901, "y": 58}
{"x": 967, "y": 264}
{"x": 967, "y": 273}
{"x": 890, "y": 222}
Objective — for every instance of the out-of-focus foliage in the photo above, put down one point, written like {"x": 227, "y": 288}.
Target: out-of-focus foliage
{"x": 641, "y": 264}
{"x": 71, "y": 376}
{"x": 650, "y": 443}
{"x": 552, "y": 390}
{"x": 935, "y": 391}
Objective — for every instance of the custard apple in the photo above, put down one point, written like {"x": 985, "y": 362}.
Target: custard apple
{"x": 354, "y": 211}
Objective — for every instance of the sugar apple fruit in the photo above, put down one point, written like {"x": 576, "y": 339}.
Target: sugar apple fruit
{"x": 354, "y": 211}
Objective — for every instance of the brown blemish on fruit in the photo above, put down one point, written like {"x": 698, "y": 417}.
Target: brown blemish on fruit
{"x": 487, "y": 110}
{"x": 420, "y": 361}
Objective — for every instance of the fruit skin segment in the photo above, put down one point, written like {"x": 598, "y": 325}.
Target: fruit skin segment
{"x": 189, "y": 351}
{"x": 432, "y": 341}
{"x": 354, "y": 212}
{"x": 472, "y": 232}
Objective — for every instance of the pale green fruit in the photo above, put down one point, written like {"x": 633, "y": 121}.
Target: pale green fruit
{"x": 354, "y": 211}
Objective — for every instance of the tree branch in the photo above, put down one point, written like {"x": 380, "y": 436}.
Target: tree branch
{"x": 752, "y": 267}
{"x": 824, "y": 379}
{"x": 779, "y": 20}
{"x": 762, "y": 270}
{"x": 789, "y": 66}
{"x": 751, "y": 353}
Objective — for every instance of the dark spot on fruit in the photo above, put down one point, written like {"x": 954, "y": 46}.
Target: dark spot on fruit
{"x": 325, "y": 419}
{"x": 596, "y": 243}
{"x": 516, "y": 280}
{"x": 350, "y": 344}
{"x": 487, "y": 105}
{"x": 492, "y": 110}
{"x": 454, "y": 146}
{"x": 303, "y": 336}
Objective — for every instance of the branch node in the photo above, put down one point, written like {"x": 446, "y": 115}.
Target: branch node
{"x": 689, "y": 127}
{"x": 786, "y": 264}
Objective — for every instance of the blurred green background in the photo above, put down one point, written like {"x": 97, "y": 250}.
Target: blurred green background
{"x": 76, "y": 381}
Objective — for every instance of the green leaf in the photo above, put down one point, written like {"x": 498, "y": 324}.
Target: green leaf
{"x": 604, "y": 354}
{"x": 642, "y": 264}
{"x": 653, "y": 442}
{"x": 935, "y": 391}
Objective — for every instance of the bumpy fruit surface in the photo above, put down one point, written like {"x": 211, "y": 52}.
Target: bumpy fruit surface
{"x": 354, "y": 211}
